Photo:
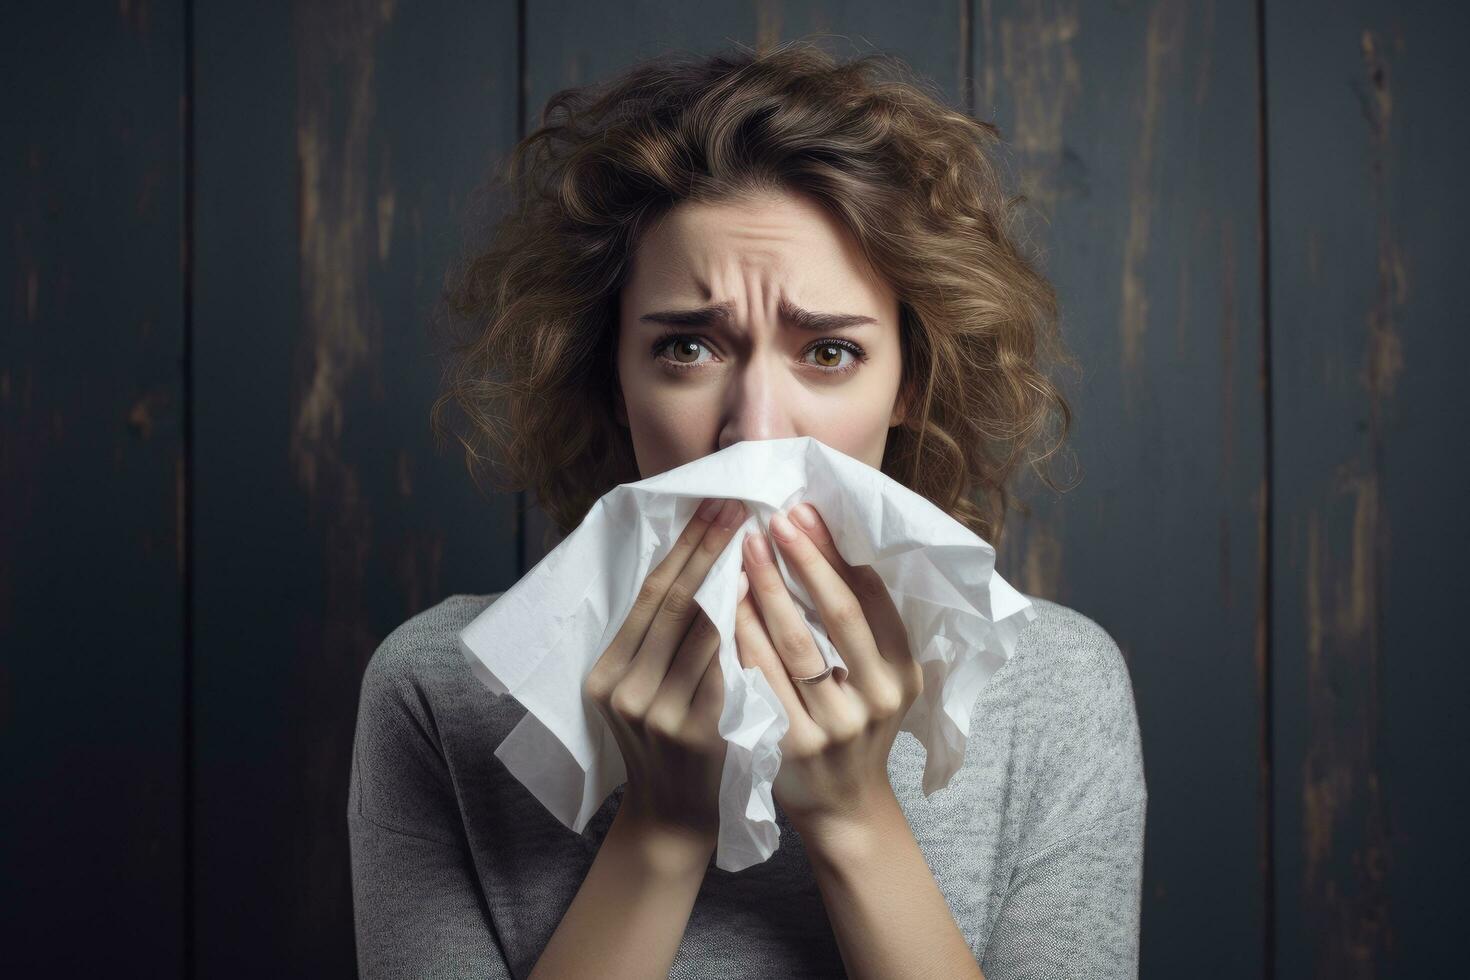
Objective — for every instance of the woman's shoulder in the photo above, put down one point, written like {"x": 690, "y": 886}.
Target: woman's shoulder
{"x": 1068, "y": 655}
{"x": 419, "y": 668}
{"x": 1070, "y": 694}
{"x": 418, "y": 703}
{"x": 426, "y": 645}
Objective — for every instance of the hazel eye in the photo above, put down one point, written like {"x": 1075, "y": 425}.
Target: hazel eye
{"x": 832, "y": 349}
{"x": 680, "y": 348}
{"x": 832, "y": 352}
{"x": 680, "y": 352}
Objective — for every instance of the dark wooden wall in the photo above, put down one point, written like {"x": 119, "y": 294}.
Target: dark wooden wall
{"x": 225, "y": 230}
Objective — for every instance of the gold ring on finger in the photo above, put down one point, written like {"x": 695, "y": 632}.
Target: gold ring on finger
{"x": 815, "y": 678}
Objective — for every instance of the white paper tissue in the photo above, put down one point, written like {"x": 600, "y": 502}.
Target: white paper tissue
{"x": 538, "y": 641}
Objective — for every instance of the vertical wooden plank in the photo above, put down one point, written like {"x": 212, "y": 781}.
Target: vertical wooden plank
{"x": 1134, "y": 132}
{"x": 1368, "y": 354}
{"x": 91, "y": 490}
{"x": 338, "y": 144}
{"x": 245, "y": 580}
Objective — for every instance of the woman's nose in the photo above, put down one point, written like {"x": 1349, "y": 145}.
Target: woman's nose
{"x": 758, "y": 406}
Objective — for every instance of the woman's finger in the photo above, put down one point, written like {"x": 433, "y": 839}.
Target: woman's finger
{"x": 865, "y": 583}
{"x": 709, "y": 698}
{"x": 840, "y": 610}
{"x": 709, "y": 690}
{"x": 825, "y": 700}
{"x": 690, "y": 664}
{"x": 756, "y": 651}
{"x": 677, "y": 611}
{"x": 650, "y": 599}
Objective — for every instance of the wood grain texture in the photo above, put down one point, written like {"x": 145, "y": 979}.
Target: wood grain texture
{"x": 219, "y": 490}
{"x": 91, "y": 490}
{"x": 339, "y": 143}
{"x": 1368, "y": 354}
{"x": 1133, "y": 131}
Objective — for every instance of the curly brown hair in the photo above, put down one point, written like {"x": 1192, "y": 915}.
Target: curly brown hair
{"x": 534, "y": 310}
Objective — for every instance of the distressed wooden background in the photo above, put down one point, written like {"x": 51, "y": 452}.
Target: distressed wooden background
{"x": 225, "y": 230}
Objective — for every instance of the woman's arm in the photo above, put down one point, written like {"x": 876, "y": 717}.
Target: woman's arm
{"x": 659, "y": 687}
{"x": 418, "y": 908}
{"x": 417, "y": 902}
{"x": 629, "y": 915}
{"x": 887, "y": 912}
{"x": 1073, "y": 907}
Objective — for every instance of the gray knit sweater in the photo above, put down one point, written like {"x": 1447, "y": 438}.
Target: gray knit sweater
{"x": 1037, "y": 843}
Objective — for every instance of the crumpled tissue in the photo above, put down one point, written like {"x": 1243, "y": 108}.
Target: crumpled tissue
{"x": 538, "y": 640}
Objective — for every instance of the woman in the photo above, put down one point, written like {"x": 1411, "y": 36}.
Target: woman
{"x": 752, "y": 247}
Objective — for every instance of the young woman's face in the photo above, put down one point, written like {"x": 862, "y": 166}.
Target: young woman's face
{"x": 758, "y": 319}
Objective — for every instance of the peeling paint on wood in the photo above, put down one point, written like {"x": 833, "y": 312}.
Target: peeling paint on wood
{"x": 1041, "y": 565}
{"x": 141, "y": 415}
{"x": 1344, "y": 833}
{"x": 768, "y": 24}
{"x": 1385, "y": 355}
{"x": 1044, "y": 79}
{"x": 1161, "y": 61}
{"x": 338, "y": 216}
{"x": 345, "y": 222}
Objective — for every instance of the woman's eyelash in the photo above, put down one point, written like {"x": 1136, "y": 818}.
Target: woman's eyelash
{"x": 858, "y": 354}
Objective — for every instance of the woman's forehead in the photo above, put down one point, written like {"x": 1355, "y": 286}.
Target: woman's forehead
{"x": 773, "y": 253}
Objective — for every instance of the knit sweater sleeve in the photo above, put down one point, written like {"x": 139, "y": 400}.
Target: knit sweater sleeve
{"x": 1073, "y": 902}
{"x": 417, "y": 902}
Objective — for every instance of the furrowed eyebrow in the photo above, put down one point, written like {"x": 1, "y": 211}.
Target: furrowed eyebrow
{"x": 720, "y": 314}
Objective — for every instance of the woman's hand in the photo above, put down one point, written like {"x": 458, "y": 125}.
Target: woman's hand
{"x": 834, "y": 757}
{"x": 660, "y": 688}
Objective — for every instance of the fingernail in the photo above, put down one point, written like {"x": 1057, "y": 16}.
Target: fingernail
{"x": 815, "y": 529}
{"x": 760, "y": 549}
{"x": 784, "y": 529}
{"x": 710, "y": 508}
{"x": 744, "y": 586}
{"x": 732, "y": 514}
